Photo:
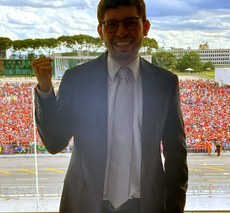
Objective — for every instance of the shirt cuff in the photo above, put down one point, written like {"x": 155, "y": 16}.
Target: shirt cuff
{"x": 44, "y": 95}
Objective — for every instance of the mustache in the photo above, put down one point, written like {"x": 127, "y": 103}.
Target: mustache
{"x": 123, "y": 39}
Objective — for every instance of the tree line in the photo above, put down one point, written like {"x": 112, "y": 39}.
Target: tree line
{"x": 167, "y": 60}
{"x": 79, "y": 44}
{"x": 88, "y": 45}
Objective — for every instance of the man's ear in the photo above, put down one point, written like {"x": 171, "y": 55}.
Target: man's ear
{"x": 99, "y": 30}
{"x": 146, "y": 27}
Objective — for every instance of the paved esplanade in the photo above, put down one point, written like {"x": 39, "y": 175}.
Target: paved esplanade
{"x": 209, "y": 182}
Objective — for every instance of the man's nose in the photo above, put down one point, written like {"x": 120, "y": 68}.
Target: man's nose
{"x": 121, "y": 30}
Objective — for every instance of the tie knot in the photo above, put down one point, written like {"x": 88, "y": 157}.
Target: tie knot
{"x": 125, "y": 72}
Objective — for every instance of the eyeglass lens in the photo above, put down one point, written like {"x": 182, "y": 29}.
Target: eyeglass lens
{"x": 129, "y": 24}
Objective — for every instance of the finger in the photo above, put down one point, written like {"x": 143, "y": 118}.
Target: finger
{"x": 41, "y": 61}
{"x": 36, "y": 66}
{"x": 46, "y": 67}
{"x": 37, "y": 60}
{"x": 44, "y": 63}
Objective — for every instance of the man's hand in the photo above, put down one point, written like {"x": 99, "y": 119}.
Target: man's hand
{"x": 43, "y": 71}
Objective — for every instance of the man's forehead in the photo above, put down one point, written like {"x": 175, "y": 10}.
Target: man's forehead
{"x": 120, "y": 12}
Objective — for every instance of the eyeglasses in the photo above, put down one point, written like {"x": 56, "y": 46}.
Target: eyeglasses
{"x": 130, "y": 24}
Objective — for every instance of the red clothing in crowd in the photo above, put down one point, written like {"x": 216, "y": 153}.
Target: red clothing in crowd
{"x": 205, "y": 107}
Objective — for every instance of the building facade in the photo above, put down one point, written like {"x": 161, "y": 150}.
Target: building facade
{"x": 219, "y": 57}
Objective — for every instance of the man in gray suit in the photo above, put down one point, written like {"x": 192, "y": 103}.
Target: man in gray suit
{"x": 84, "y": 108}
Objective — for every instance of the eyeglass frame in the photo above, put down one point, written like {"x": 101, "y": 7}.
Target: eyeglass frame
{"x": 123, "y": 22}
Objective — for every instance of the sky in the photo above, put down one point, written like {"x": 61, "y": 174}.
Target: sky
{"x": 174, "y": 23}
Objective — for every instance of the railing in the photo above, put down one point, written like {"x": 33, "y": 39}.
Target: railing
{"x": 191, "y": 150}
{"x": 204, "y": 150}
{"x": 54, "y": 192}
{"x": 208, "y": 189}
{"x": 17, "y": 192}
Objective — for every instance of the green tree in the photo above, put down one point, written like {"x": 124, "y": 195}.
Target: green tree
{"x": 50, "y": 44}
{"x": 87, "y": 44}
{"x": 208, "y": 66}
{"x": 18, "y": 46}
{"x": 189, "y": 60}
{"x": 67, "y": 42}
{"x": 5, "y": 44}
{"x": 164, "y": 59}
{"x": 149, "y": 45}
{"x": 23, "y": 45}
{"x": 81, "y": 44}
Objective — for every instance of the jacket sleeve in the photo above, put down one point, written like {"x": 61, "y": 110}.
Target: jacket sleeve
{"x": 53, "y": 119}
{"x": 175, "y": 153}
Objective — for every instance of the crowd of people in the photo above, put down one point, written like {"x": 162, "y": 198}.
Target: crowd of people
{"x": 206, "y": 110}
{"x": 205, "y": 107}
{"x": 16, "y": 123}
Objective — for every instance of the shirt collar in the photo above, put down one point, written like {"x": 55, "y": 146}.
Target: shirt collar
{"x": 114, "y": 66}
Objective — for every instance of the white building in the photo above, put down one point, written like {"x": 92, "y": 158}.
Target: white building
{"x": 222, "y": 76}
{"x": 219, "y": 57}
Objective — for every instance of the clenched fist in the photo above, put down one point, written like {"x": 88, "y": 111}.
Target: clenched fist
{"x": 43, "y": 71}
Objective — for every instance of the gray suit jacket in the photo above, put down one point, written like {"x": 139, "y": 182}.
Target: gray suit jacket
{"x": 80, "y": 110}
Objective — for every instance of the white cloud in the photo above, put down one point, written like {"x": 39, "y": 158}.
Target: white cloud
{"x": 19, "y": 17}
{"x": 80, "y": 4}
{"x": 178, "y": 23}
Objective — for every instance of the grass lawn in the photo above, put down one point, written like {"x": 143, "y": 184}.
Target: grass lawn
{"x": 206, "y": 74}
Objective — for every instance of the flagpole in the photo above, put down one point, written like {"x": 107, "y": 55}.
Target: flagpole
{"x": 35, "y": 150}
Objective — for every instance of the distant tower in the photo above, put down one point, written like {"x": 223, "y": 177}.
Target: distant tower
{"x": 204, "y": 46}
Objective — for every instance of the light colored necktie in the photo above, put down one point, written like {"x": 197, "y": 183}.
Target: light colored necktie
{"x": 121, "y": 150}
